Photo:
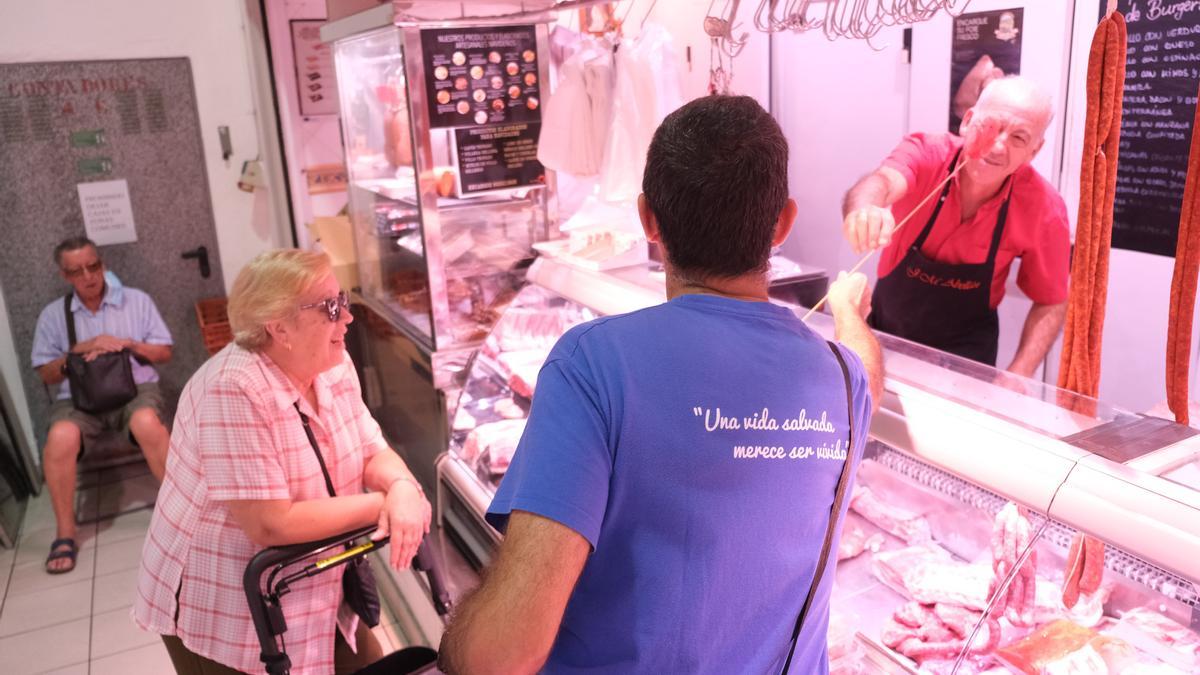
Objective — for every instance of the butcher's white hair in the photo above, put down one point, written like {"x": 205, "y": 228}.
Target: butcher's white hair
{"x": 1021, "y": 92}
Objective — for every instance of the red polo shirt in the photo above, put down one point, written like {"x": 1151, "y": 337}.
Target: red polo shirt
{"x": 1037, "y": 230}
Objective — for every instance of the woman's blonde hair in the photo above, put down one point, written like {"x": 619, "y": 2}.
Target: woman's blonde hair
{"x": 268, "y": 289}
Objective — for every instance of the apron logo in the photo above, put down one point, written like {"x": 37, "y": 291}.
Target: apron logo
{"x": 934, "y": 280}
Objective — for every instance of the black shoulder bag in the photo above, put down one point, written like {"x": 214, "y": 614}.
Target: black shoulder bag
{"x": 105, "y": 383}
{"x": 839, "y": 496}
{"x": 358, "y": 583}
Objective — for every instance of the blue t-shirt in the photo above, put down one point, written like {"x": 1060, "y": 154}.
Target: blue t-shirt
{"x": 697, "y": 446}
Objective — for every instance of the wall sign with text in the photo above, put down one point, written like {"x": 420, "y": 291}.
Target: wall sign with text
{"x": 498, "y": 158}
{"x": 1162, "y": 72}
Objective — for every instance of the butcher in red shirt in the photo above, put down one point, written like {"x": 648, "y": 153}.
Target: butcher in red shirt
{"x": 942, "y": 276}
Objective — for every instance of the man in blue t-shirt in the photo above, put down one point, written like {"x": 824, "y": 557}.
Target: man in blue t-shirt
{"x": 666, "y": 509}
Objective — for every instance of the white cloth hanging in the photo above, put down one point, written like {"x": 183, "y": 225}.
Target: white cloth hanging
{"x": 577, "y": 117}
{"x": 646, "y": 90}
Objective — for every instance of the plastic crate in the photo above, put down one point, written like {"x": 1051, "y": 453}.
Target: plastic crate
{"x": 214, "y": 324}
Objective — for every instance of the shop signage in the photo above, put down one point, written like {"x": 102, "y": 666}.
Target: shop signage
{"x": 1161, "y": 76}
{"x": 498, "y": 158}
{"x": 478, "y": 76}
{"x": 107, "y": 213}
{"x": 94, "y": 166}
{"x": 89, "y": 138}
{"x": 316, "y": 82}
{"x": 982, "y": 43}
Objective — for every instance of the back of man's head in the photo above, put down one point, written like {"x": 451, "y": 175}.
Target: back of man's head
{"x": 71, "y": 244}
{"x": 716, "y": 181}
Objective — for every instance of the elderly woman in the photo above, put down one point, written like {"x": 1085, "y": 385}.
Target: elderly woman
{"x": 242, "y": 474}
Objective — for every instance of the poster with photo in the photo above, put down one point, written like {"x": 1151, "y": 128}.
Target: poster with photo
{"x": 984, "y": 46}
{"x": 480, "y": 76}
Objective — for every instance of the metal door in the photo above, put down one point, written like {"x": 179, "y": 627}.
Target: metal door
{"x": 64, "y": 124}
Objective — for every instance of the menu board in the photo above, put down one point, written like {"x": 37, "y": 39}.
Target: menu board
{"x": 498, "y": 158}
{"x": 478, "y": 76}
{"x": 1161, "y": 76}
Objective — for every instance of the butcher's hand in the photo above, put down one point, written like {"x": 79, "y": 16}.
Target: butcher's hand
{"x": 849, "y": 295}
{"x": 405, "y": 518}
{"x": 868, "y": 228}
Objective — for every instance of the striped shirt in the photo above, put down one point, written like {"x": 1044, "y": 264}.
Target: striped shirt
{"x": 124, "y": 313}
{"x": 237, "y": 436}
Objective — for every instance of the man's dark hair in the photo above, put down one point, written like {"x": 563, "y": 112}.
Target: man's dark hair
{"x": 72, "y": 244}
{"x": 716, "y": 181}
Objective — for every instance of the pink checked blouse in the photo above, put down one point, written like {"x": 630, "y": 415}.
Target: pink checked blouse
{"x": 237, "y": 436}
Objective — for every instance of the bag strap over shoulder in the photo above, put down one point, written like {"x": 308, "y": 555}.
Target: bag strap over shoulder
{"x": 312, "y": 440}
{"x": 70, "y": 320}
{"x": 839, "y": 497}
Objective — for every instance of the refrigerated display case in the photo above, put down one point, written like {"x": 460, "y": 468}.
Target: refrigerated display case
{"x": 969, "y": 473}
{"x": 440, "y": 119}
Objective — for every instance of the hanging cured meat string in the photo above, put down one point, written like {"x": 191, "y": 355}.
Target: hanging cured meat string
{"x": 1079, "y": 367}
{"x": 977, "y": 139}
{"x": 1183, "y": 286}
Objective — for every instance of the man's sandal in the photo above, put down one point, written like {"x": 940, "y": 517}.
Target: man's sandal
{"x": 57, "y": 552}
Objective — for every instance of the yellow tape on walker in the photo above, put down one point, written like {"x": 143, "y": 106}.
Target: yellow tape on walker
{"x": 348, "y": 553}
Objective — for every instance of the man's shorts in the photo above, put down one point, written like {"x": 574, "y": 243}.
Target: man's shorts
{"x": 91, "y": 426}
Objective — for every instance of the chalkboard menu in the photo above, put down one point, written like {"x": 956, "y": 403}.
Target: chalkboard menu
{"x": 1161, "y": 76}
{"x": 498, "y": 158}
{"x": 478, "y": 76}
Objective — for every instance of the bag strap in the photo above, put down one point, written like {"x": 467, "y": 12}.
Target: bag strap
{"x": 312, "y": 440}
{"x": 839, "y": 496}
{"x": 70, "y": 320}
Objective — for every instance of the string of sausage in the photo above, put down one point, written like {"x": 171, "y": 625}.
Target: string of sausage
{"x": 1079, "y": 367}
{"x": 1183, "y": 286}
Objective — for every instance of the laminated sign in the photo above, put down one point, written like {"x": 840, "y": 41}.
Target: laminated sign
{"x": 107, "y": 213}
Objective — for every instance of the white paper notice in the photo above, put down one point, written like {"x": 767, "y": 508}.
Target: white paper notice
{"x": 107, "y": 213}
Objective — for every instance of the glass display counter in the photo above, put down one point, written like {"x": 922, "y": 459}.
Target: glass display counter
{"x": 970, "y": 473}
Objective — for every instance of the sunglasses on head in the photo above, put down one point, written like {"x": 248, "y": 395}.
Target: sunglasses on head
{"x": 333, "y": 306}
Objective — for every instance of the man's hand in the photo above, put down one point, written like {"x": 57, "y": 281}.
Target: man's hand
{"x": 849, "y": 295}
{"x": 100, "y": 344}
{"x": 869, "y": 228}
{"x": 405, "y": 518}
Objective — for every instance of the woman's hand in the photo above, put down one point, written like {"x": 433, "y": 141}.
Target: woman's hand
{"x": 405, "y": 518}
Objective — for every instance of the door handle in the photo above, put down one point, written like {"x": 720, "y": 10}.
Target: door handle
{"x": 199, "y": 253}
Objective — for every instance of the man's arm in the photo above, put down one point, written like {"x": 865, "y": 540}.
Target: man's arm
{"x": 1042, "y": 326}
{"x": 509, "y": 624}
{"x": 52, "y": 373}
{"x": 149, "y": 353}
{"x": 850, "y": 303}
{"x": 866, "y": 220}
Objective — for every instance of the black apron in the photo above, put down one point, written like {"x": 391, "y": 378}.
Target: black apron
{"x": 942, "y": 305}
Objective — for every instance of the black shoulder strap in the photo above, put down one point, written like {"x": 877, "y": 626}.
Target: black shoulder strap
{"x": 312, "y": 440}
{"x": 70, "y": 320}
{"x": 839, "y": 496}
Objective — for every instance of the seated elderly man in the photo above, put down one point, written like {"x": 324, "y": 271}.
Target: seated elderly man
{"x": 108, "y": 318}
{"x": 942, "y": 276}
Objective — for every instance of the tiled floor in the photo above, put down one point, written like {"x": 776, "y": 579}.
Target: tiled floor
{"x": 78, "y": 623}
